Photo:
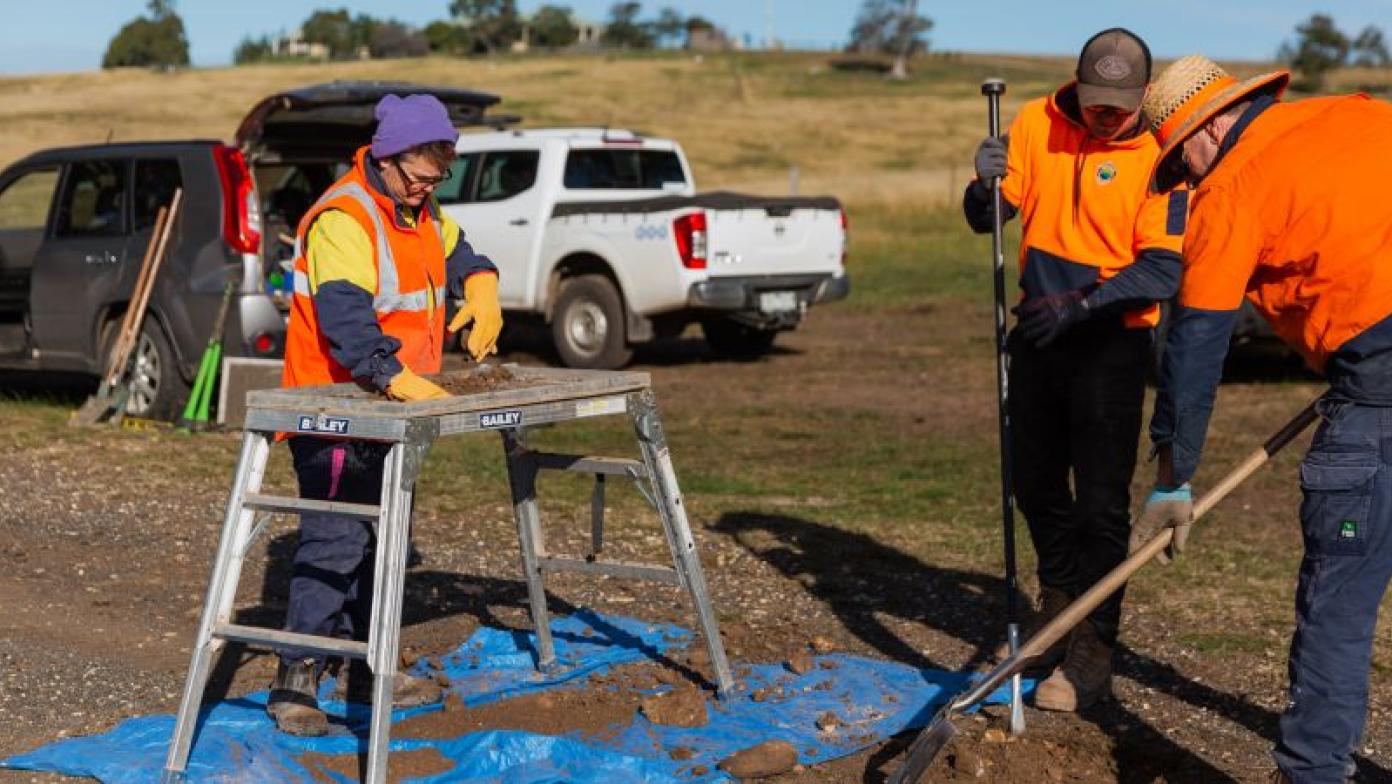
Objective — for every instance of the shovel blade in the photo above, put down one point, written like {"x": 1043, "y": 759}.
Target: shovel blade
{"x": 98, "y": 408}
{"x": 925, "y": 749}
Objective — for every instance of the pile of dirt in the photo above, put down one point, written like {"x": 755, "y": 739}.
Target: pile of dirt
{"x": 684, "y": 707}
{"x": 487, "y": 378}
{"x": 403, "y": 766}
{"x": 601, "y": 704}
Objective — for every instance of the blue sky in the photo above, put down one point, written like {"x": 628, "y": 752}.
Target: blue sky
{"x": 74, "y": 38}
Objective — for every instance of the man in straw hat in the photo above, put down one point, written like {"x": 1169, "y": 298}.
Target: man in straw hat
{"x": 1098, "y": 252}
{"x": 1290, "y": 210}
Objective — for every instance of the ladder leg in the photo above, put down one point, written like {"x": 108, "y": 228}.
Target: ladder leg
{"x": 222, "y": 591}
{"x": 522, "y": 473}
{"x": 653, "y": 443}
{"x": 384, "y": 633}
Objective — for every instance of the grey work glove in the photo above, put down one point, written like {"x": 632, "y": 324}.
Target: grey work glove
{"x": 990, "y": 159}
{"x": 1165, "y": 508}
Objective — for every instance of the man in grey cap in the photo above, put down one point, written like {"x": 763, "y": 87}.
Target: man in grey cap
{"x": 1098, "y": 253}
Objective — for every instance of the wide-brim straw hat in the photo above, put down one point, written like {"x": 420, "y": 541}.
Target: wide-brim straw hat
{"x": 1185, "y": 96}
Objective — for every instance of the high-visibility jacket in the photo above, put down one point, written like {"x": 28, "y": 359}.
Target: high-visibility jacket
{"x": 406, "y": 284}
{"x": 1293, "y": 216}
{"x": 1085, "y": 204}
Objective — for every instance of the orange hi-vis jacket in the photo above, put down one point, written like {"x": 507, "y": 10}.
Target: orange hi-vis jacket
{"x": 1298, "y": 220}
{"x": 1084, "y": 203}
{"x": 1294, "y": 216}
{"x": 410, "y": 290}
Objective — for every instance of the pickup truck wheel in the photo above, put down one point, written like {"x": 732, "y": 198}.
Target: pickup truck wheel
{"x": 732, "y": 339}
{"x": 588, "y": 324}
{"x": 157, "y": 390}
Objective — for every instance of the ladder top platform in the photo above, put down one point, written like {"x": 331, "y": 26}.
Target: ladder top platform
{"x": 525, "y": 396}
{"x": 528, "y": 386}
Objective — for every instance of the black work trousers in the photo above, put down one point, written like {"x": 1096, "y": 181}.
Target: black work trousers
{"x": 1075, "y": 410}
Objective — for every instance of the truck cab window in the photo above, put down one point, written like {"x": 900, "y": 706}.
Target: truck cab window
{"x": 507, "y": 173}
{"x": 24, "y": 204}
{"x": 455, "y": 190}
{"x": 609, "y": 169}
{"x": 155, "y": 182}
{"x": 93, "y": 201}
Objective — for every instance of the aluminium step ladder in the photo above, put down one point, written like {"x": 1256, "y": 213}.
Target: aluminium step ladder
{"x": 412, "y": 428}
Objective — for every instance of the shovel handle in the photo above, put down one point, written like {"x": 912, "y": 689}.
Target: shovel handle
{"x": 1074, "y": 613}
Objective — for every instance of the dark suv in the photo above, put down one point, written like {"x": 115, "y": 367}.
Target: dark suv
{"x": 75, "y": 222}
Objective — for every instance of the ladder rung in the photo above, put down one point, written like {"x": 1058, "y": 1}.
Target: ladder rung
{"x": 282, "y": 639}
{"x": 611, "y": 466}
{"x": 282, "y": 504}
{"x": 636, "y": 571}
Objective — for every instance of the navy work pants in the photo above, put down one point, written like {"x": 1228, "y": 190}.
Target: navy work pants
{"x": 1075, "y": 413}
{"x": 332, "y": 577}
{"x": 1346, "y": 519}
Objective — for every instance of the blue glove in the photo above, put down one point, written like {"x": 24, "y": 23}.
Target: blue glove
{"x": 1171, "y": 507}
{"x": 1043, "y": 319}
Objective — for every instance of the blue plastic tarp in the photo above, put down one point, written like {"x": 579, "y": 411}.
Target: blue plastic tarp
{"x": 236, "y": 742}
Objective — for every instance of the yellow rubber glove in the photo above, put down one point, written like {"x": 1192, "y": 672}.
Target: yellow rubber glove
{"x": 407, "y": 386}
{"x": 481, "y": 307}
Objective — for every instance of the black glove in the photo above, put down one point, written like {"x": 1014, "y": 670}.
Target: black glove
{"x": 990, "y": 159}
{"x": 1043, "y": 319}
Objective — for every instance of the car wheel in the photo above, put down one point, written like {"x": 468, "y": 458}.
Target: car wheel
{"x": 156, "y": 387}
{"x": 588, "y": 324}
{"x": 730, "y": 338}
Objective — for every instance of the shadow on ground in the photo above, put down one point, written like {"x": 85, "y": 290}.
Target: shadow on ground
{"x": 863, "y": 580}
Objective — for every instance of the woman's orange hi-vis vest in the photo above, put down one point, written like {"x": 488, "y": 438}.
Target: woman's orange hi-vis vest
{"x": 409, "y": 298}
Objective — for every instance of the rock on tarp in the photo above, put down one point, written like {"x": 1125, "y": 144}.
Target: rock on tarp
{"x": 236, "y": 742}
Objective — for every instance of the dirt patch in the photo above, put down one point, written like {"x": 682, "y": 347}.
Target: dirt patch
{"x": 685, "y": 707}
{"x": 489, "y": 378}
{"x": 402, "y": 766}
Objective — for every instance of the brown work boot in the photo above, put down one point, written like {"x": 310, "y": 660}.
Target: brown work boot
{"x": 1052, "y": 601}
{"x": 1084, "y": 677}
{"x": 355, "y": 685}
{"x": 1277, "y": 777}
{"x": 293, "y": 702}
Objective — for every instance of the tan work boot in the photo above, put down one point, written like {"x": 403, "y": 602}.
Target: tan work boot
{"x": 1052, "y": 601}
{"x": 294, "y": 703}
{"x": 355, "y": 685}
{"x": 1084, "y": 677}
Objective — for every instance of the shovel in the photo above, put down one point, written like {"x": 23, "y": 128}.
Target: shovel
{"x": 940, "y": 730}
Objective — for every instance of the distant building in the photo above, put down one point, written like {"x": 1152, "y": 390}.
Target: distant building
{"x": 588, "y": 38}
{"x": 295, "y": 45}
{"x": 700, "y": 38}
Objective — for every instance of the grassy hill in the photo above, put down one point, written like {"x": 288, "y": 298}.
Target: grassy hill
{"x": 743, "y": 118}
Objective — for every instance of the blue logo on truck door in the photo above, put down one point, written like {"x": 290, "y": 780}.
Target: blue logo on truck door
{"x": 497, "y": 420}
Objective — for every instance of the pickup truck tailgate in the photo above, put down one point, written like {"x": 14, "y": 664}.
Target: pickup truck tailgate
{"x": 779, "y": 237}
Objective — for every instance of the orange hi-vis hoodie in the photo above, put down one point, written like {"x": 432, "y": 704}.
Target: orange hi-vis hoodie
{"x": 1087, "y": 212}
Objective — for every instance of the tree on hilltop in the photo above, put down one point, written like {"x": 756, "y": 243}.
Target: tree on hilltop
{"x": 492, "y": 24}
{"x": 157, "y": 41}
{"x": 624, "y": 31}
{"x": 892, "y": 27}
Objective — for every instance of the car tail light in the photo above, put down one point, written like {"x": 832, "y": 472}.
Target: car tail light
{"x": 263, "y": 344}
{"x": 690, "y": 232}
{"x": 845, "y": 237}
{"x": 241, "y": 214}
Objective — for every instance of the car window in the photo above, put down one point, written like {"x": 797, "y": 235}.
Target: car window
{"x": 507, "y": 173}
{"x": 93, "y": 200}
{"x": 455, "y": 190}
{"x": 155, "y": 181}
{"x": 622, "y": 169}
{"x": 24, "y": 204}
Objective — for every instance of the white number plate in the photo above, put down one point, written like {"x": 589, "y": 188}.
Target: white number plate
{"x": 778, "y": 301}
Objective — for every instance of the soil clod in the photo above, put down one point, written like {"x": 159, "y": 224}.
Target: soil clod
{"x": 684, "y": 707}
{"x": 769, "y": 758}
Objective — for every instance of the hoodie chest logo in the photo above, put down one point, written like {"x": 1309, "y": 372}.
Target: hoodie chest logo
{"x": 1106, "y": 172}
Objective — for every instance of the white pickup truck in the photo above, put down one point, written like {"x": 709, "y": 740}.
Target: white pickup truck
{"x": 601, "y": 234}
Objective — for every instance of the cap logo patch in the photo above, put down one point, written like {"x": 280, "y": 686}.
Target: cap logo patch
{"x": 1106, "y": 173}
{"x": 1112, "y": 68}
